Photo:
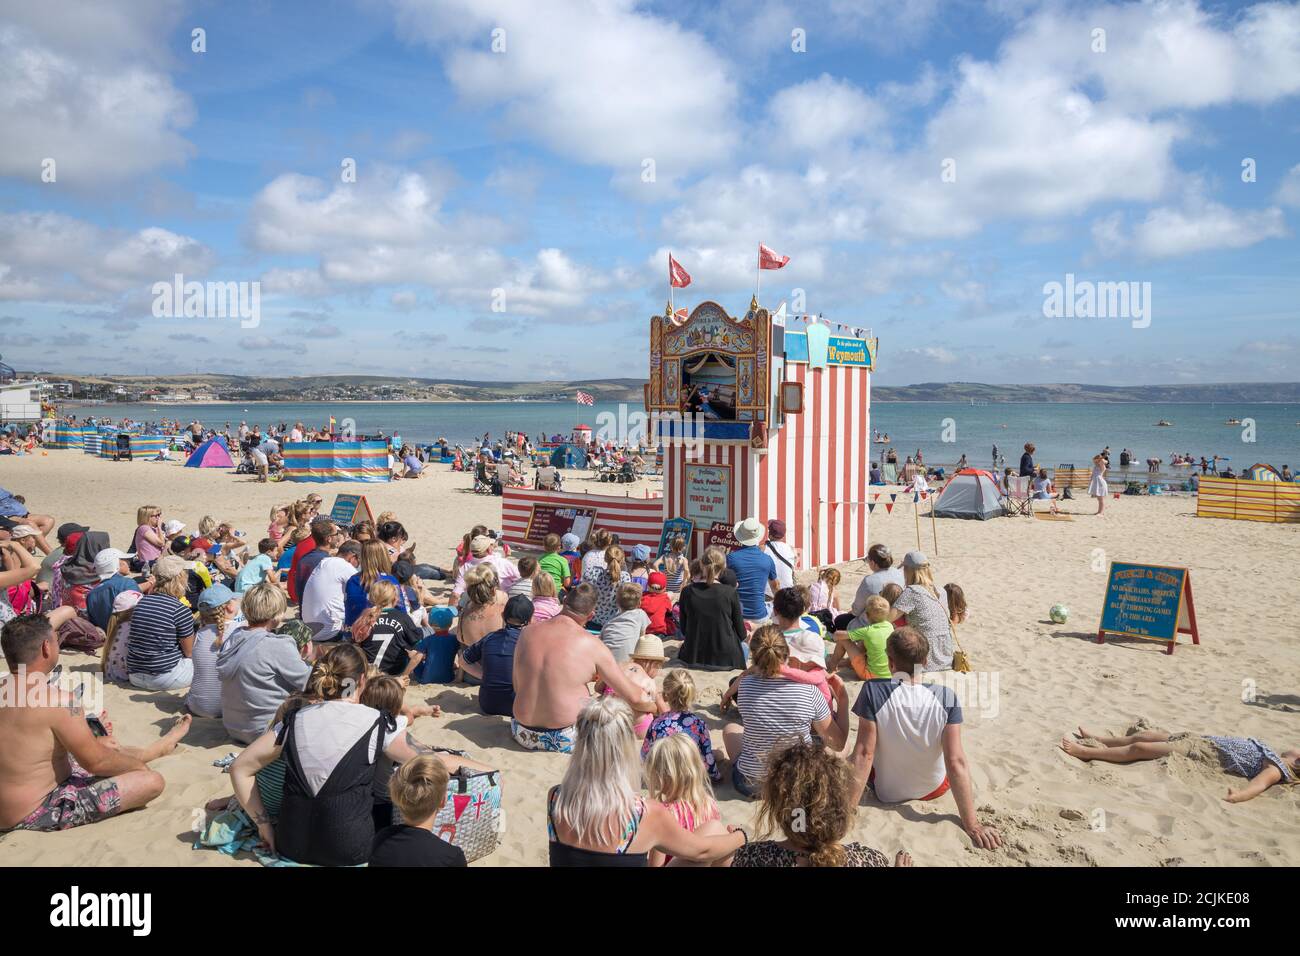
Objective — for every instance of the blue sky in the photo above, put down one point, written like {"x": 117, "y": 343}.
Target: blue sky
{"x": 517, "y": 177}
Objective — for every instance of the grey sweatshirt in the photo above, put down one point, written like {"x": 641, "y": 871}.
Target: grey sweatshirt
{"x": 258, "y": 670}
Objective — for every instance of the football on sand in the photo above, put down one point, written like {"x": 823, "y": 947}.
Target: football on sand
{"x": 1059, "y": 613}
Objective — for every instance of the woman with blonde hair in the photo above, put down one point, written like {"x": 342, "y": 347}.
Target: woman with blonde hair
{"x": 773, "y": 707}
{"x": 162, "y": 631}
{"x": 926, "y": 608}
{"x": 149, "y": 542}
{"x": 484, "y": 612}
{"x": 597, "y": 817}
{"x": 373, "y": 565}
{"x": 606, "y": 579}
{"x": 675, "y": 776}
{"x": 807, "y": 798}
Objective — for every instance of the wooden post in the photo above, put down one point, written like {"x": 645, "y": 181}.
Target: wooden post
{"x": 934, "y": 528}
{"x": 916, "y": 511}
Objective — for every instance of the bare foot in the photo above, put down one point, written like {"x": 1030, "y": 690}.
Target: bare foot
{"x": 1076, "y": 749}
{"x": 170, "y": 739}
{"x": 903, "y": 858}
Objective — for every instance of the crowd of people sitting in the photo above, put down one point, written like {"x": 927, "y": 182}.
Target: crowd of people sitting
{"x": 303, "y": 649}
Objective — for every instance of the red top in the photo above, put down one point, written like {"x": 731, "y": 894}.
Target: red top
{"x": 306, "y": 544}
{"x": 656, "y": 605}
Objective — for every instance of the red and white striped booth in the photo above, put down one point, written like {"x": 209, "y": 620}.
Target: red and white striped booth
{"x": 759, "y": 457}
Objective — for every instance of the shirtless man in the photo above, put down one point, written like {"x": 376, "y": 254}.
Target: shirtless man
{"x": 54, "y": 772}
{"x": 555, "y": 660}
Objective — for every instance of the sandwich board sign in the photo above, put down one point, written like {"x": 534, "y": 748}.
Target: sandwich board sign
{"x": 547, "y": 519}
{"x": 351, "y": 509}
{"x": 673, "y": 528}
{"x": 1149, "y": 601}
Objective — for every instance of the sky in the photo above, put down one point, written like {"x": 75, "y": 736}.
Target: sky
{"x": 489, "y": 189}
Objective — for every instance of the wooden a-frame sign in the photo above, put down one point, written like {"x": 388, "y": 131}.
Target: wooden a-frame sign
{"x": 1149, "y": 601}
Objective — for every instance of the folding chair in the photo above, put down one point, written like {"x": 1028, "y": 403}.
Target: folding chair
{"x": 889, "y": 471}
{"x": 1020, "y": 500}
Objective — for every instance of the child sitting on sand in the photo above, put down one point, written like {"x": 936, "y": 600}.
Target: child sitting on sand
{"x": 674, "y": 565}
{"x": 419, "y": 791}
{"x": 546, "y": 602}
{"x": 387, "y": 694}
{"x": 439, "y": 649}
{"x": 658, "y": 606}
{"x": 646, "y": 661}
{"x": 865, "y": 646}
{"x": 1238, "y": 756}
{"x": 892, "y": 592}
{"x": 622, "y": 631}
{"x": 675, "y": 777}
{"x": 527, "y": 572}
{"x": 679, "y": 696}
{"x": 822, "y": 599}
{"x": 957, "y": 610}
{"x": 638, "y": 566}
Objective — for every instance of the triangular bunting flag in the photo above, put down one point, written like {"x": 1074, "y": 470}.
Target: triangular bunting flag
{"x": 875, "y": 497}
{"x": 871, "y": 506}
{"x": 893, "y": 497}
{"x": 889, "y": 507}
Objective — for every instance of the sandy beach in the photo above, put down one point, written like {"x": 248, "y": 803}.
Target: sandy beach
{"x": 1034, "y": 681}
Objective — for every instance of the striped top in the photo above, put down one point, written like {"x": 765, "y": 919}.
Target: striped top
{"x": 773, "y": 709}
{"x": 158, "y": 624}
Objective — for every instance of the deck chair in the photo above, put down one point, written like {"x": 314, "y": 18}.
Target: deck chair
{"x": 1020, "y": 500}
{"x": 889, "y": 471}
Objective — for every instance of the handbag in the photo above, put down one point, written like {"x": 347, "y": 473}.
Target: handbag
{"x": 960, "y": 662}
{"x": 471, "y": 817}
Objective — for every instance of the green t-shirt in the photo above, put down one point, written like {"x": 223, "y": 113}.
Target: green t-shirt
{"x": 556, "y": 566}
{"x": 872, "y": 638}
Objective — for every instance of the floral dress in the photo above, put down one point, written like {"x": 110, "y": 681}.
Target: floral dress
{"x": 771, "y": 853}
{"x": 683, "y": 722}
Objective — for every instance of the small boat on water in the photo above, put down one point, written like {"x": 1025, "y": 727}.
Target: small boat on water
{"x": 1164, "y": 424}
{"x": 1233, "y": 421}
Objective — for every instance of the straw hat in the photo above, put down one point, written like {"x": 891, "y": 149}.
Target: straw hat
{"x": 649, "y": 648}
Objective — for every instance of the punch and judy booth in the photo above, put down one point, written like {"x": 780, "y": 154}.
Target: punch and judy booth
{"x": 759, "y": 420}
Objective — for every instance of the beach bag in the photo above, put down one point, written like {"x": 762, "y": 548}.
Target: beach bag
{"x": 960, "y": 662}
{"x": 79, "y": 634}
{"x": 471, "y": 817}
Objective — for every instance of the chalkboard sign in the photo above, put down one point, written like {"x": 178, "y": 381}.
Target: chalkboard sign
{"x": 1148, "y": 601}
{"x": 553, "y": 519}
{"x": 722, "y": 535}
{"x": 673, "y": 528}
{"x": 351, "y": 509}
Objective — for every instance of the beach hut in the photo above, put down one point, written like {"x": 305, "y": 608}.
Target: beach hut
{"x": 757, "y": 421}
{"x": 1262, "y": 472}
{"x": 971, "y": 493}
{"x": 213, "y": 453}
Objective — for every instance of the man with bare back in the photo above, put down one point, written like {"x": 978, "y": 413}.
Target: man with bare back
{"x": 555, "y": 660}
{"x": 55, "y": 773}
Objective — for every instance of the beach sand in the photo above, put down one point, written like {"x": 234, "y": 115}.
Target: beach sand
{"x": 1034, "y": 681}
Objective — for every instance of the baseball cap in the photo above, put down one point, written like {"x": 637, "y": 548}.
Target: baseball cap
{"x": 201, "y": 544}
{"x": 641, "y": 553}
{"x": 806, "y": 646}
{"x": 442, "y": 616}
{"x": 24, "y": 531}
{"x": 569, "y": 542}
{"x": 403, "y": 570}
{"x": 519, "y": 610}
{"x": 915, "y": 559}
{"x": 126, "y": 600}
{"x": 106, "y": 562}
{"x": 480, "y": 545}
{"x": 776, "y": 528}
{"x": 68, "y": 530}
{"x": 657, "y": 580}
{"x": 173, "y": 527}
{"x": 215, "y": 596}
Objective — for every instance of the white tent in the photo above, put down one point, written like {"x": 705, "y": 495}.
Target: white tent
{"x": 971, "y": 493}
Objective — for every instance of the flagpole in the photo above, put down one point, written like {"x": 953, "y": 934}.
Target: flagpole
{"x": 758, "y": 276}
{"x": 670, "y": 282}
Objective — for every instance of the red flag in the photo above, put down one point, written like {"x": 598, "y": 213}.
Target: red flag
{"x": 584, "y": 399}
{"x": 767, "y": 259}
{"x": 678, "y": 277}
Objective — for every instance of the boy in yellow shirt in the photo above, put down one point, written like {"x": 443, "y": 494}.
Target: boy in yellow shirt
{"x": 865, "y": 646}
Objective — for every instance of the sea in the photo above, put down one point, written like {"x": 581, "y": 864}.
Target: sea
{"x": 1063, "y": 433}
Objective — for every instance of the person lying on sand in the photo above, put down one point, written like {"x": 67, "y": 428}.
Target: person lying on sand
{"x": 55, "y": 773}
{"x": 1238, "y": 756}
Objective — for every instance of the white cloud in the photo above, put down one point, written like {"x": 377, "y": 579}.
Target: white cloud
{"x": 1288, "y": 193}
{"x": 595, "y": 80}
{"x": 1197, "y": 226}
{"x": 77, "y": 86}
{"x": 823, "y": 112}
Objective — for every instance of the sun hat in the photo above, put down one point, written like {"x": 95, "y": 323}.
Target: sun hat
{"x": 168, "y": 567}
{"x": 915, "y": 559}
{"x": 173, "y": 527}
{"x": 640, "y": 553}
{"x": 126, "y": 600}
{"x": 23, "y": 531}
{"x": 776, "y": 528}
{"x": 806, "y": 646}
{"x": 749, "y": 532}
{"x": 569, "y": 541}
{"x": 215, "y": 596}
{"x": 106, "y": 562}
{"x": 481, "y": 545}
{"x": 649, "y": 648}
{"x": 657, "y": 580}
{"x": 442, "y": 616}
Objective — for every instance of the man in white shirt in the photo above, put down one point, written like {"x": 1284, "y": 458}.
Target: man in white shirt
{"x": 783, "y": 556}
{"x": 909, "y": 738}
{"x": 322, "y": 599}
